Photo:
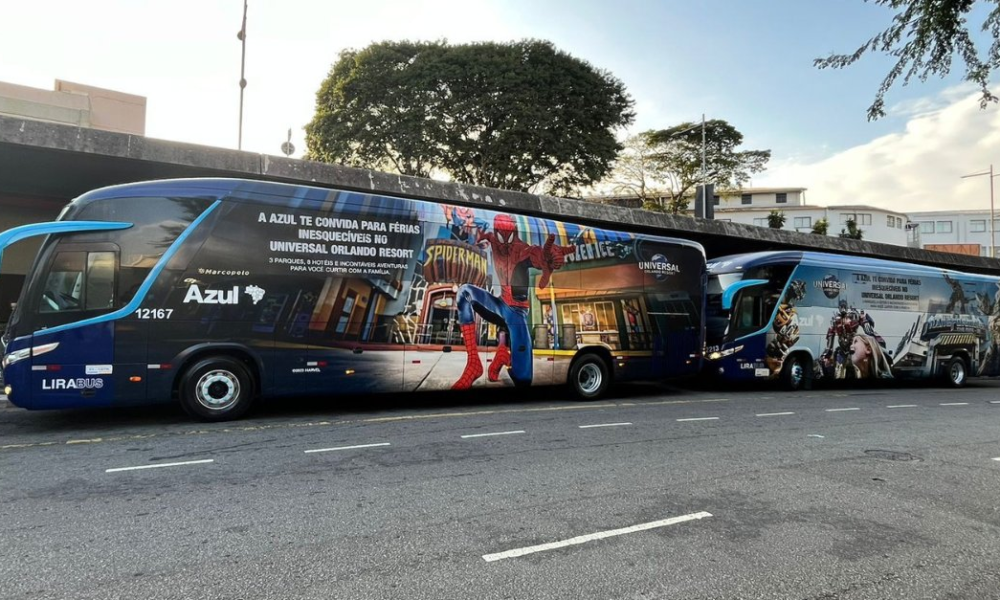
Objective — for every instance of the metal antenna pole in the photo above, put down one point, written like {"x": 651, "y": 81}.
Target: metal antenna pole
{"x": 242, "y": 35}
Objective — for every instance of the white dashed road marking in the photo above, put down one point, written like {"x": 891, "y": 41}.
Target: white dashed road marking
{"x": 476, "y": 435}
{"x": 604, "y": 425}
{"x": 954, "y": 404}
{"x": 902, "y": 406}
{"x": 594, "y": 536}
{"x": 157, "y": 466}
{"x": 778, "y": 414}
{"x": 699, "y": 419}
{"x": 840, "y": 409}
{"x": 346, "y": 448}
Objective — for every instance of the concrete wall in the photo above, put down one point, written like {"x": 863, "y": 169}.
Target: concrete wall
{"x": 130, "y": 157}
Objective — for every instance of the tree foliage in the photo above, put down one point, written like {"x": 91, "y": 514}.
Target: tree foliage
{"x": 776, "y": 219}
{"x": 678, "y": 159}
{"x": 852, "y": 232}
{"x": 519, "y": 116}
{"x": 925, "y": 37}
{"x": 637, "y": 174}
{"x": 821, "y": 226}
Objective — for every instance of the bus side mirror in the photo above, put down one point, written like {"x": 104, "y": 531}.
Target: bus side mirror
{"x": 730, "y": 292}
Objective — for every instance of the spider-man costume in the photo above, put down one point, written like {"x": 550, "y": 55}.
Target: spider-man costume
{"x": 511, "y": 259}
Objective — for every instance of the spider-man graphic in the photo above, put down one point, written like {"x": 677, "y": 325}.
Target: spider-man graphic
{"x": 512, "y": 257}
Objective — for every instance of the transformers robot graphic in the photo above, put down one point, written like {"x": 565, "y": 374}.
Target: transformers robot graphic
{"x": 786, "y": 329}
{"x": 957, "y": 296}
{"x": 840, "y": 336}
{"x": 990, "y": 308}
{"x": 512, "y": 257}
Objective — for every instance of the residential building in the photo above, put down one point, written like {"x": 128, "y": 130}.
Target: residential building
{"x": 76, "y": 104}
{"x": 957, "y": 230}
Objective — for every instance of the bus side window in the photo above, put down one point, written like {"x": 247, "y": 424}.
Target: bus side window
{"x": 100, "y": 292}
{"x": 63, "y": 290}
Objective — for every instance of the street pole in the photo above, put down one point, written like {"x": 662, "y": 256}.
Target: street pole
{"x": 993, "y": 245}
{"x": 242, "y": 35}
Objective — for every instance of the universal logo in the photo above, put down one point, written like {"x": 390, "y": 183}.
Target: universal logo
{"x": 831, "y": 286}
{"x": 659, "y": 266}
{"x": 231, "y": 296}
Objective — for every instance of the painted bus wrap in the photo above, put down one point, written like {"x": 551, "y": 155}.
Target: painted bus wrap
{"x": 851, "y": 318}
{"x": 318, "y": 291}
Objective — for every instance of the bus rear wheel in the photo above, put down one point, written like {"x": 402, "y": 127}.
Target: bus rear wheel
{"x": 216, "y": 388}
{"x": 796, "y": 374}
{"x": 955, "y": 373}
{"x": 589, "y": 377}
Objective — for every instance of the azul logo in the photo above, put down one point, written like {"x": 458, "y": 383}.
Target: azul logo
{"x": 659, "y": 266}
{"x": 95, "y": 383}
{"x": 831, "y": 286}
{"x": 231, "y": 296}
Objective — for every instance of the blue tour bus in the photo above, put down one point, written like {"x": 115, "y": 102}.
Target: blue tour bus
{"x": 215, "y": 292}
{"x": 796, "y": 317}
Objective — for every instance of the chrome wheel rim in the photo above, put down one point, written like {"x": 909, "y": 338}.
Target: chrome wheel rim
{"x": 797, "y": 374}
{"x": 590, "y": 378}
{"x": 957, "y": 373}
{"x": 217, "y": 390}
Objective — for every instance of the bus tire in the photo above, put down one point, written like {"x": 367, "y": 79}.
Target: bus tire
{"x": 216, "y": 388}
{"x": 796, "y": 374}
{"x": 589, "y": 377}
{"x": 956, "y": 374}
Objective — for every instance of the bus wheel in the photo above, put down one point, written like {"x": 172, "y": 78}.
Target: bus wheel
{"x": 217, "y": 388}
{"x": 955, "y": 372}
{"x": 589, "y": 377}
{"x": 796, "y": 374}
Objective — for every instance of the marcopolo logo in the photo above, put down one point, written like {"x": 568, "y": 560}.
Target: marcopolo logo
{"x": 231, "y": 296}
{"x": 94, "y": 383}
{"x": 831, "y": 286}
{"x": 659, "y": 266}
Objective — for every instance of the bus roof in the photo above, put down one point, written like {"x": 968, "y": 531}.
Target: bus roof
{"x": 741, "y": 262}
{"x": 234, "y": 189}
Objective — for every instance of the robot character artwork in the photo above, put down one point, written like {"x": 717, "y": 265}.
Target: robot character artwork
{"x": 990, "y": 308}
{"x": 512, "y": 257}
{"x": 786, "y": 329}
{"x": 839, "y": 360}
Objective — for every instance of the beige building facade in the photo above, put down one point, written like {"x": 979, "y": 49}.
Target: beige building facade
{"x": 76, "y": 104}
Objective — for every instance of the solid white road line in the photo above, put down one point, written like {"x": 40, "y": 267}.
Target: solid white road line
{"x": 594, "y": 536}
{"x": 346, "y": 447}
{"x": 840, "y": 409}
{"x": 699, "y": 419}
{"x": 604, "y": 425}
{"x": 781, "y": 414}
{"x": 476, "y": 435}
{"x": 902, "y": 406}
{"x": 954, "y": 404}
{"x": 157, "y": 466}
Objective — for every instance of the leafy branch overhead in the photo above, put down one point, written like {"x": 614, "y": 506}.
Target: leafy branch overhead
{"x": 925, "y": 37}
{"x": 520, "y": 116}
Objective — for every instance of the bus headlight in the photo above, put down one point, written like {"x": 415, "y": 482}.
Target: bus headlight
{"x": 15, "y": 356}
{"x": 7, "y": 390}
{"x": 724, "y": 353}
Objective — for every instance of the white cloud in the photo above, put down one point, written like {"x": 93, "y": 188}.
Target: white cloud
{"x": 919, "y": 168}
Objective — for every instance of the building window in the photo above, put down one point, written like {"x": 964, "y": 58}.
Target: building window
{"x": 977, "y": 226}
{"x": 944, "y": 226}
{"x": 890, "y": 221}
{"x": 715, "y": 200}
{"x": 746, "y": 199}
{"x": 899, "y": 223}
{"x": 926, "y": 226}
{"x": 845, "y": 217}
{"x": 782, "y": 198}
{"x": 864, "y": 219}
{"x": 801, "y": 222}
{"x": 761, "y": 222}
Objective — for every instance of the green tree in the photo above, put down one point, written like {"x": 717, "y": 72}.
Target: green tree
{"x": 519, "y": 116}
{"x": 821, "y": 226}
{"x": 636, "y": 173}
{"x": 925, "y": 38}
{"x": 852, "y": 232}
{"x": 776, "y": 219}
{"x": 678, "y": 158}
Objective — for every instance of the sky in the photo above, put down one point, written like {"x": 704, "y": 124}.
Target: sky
{"x": 749, "y": 63}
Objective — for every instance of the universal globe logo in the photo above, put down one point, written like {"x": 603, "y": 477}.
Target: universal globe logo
{"x": 660, "y": 267}
{"x": 831, "y": 286}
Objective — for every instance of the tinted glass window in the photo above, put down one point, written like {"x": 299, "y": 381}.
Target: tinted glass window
{"x": 64, "y": 284}
{"x": 100, "y": 286}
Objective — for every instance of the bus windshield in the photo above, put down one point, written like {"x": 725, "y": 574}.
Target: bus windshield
{"x": 753, "y": 306}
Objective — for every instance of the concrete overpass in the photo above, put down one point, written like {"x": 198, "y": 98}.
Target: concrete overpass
{"x": 44, "y": 165}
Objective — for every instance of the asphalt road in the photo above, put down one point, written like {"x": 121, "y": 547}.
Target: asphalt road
{"x": 657, "y": 493}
